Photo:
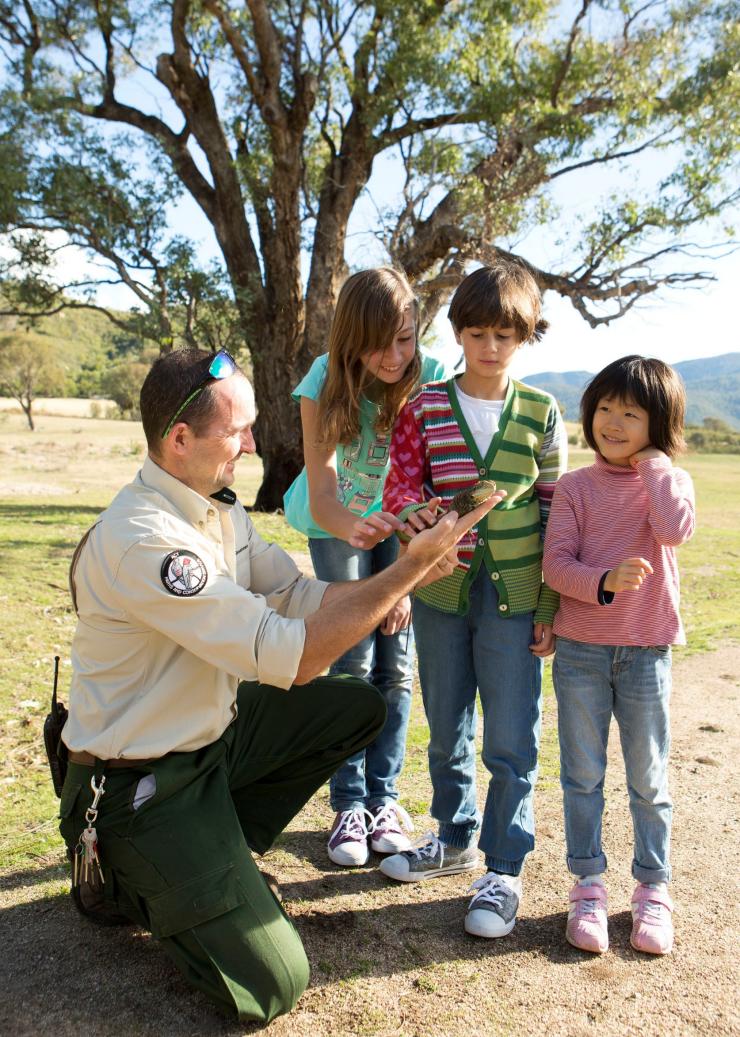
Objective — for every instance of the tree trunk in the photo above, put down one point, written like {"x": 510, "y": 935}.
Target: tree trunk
{"x": 276, "y": 371}
{"x": 27, "y": 405}
{"x": 278, "y": 428}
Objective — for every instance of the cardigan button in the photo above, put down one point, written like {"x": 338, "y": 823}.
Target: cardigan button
{"x": 495, "y": 576}
{"x": 482, "y": 471}
{"x": 481, "y": 542}
{"x": 503, "y": 608}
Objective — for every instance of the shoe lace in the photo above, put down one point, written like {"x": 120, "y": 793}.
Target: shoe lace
{"x": 589, "y": 906}
{"x": 651, "y": 911}
{"x": 354, "y": 823}
{"x": 490, "y": 889}
{"x": 427, "y": 846}
{"x": 392, "y": 817}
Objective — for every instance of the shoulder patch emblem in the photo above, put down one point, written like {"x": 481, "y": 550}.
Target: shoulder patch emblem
{"x": 183, "y": 574}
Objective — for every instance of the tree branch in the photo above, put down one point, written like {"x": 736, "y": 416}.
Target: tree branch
{"x": 565, "y": 64}
{"x": 613, "y": 157}
{"x": 236, "y": 42}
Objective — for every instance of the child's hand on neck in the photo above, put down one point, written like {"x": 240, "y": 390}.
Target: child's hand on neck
{"x": 646, "y": 454}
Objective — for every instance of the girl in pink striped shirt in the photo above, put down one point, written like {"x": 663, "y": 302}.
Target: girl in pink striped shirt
{"x": 610, "y": 550}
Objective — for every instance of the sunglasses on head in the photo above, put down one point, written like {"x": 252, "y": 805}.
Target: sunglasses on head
{"x": 221, "y": 366}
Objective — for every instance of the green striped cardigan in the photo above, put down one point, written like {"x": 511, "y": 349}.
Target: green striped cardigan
{"x": 434, "y": 454}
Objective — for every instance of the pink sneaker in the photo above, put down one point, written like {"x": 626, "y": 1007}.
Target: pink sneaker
{"x": 587, "y": 923}
{"x": 652, "y": 926}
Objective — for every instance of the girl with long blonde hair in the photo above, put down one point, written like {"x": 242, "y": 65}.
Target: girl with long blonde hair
{"x": 349, "y": 400}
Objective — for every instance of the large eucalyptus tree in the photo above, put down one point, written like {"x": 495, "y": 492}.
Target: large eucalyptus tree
{"x": 273, "y": 116}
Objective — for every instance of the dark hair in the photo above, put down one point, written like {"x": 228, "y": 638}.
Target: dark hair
{"x": 503, "y": 295}
{"x": 649, "y": 384}
{"x": 171, "y": 379}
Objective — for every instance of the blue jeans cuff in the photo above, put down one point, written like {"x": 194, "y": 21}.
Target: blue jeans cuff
{"x": 651, "y": 874}
{"x": 459, "y": 836}
{"x": 587, "y": 865}
{"x": 350, "y": 804}
{"x": 502, "y": 867}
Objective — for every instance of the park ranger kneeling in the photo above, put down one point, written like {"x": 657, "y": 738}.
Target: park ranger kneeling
{"x": 198, "y": 723}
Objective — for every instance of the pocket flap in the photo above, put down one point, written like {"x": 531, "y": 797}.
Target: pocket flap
{"x": 198, "y": 900}
{"x": 70, "y": 792}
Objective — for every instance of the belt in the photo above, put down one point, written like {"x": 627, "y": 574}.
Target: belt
{"x": 88, "y": 760}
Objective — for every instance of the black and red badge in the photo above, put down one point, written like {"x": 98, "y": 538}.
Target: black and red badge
{"x": 183, "y": 574}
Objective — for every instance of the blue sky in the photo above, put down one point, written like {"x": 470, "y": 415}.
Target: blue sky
{"x": 675, "y": 324}
{"x": 672, "y": 324}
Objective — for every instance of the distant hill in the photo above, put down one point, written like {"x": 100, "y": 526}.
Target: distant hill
{"x": 712, "y": 388}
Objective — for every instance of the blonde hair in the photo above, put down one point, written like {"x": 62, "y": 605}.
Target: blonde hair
{"x": 368, "y": 314}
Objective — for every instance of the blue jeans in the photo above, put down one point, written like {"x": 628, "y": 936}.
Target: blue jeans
{"x": 485, "y": 651}
{"x": 591, "y": 683}
{"x": 368, "y": 779}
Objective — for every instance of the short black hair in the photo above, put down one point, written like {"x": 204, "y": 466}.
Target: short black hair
{"x": 650, "y": 384}
{"x": 170, "y": 380}
{"x": 504, "y": 294}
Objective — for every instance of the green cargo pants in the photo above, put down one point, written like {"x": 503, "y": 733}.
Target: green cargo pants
{"x": 180, "y": 864}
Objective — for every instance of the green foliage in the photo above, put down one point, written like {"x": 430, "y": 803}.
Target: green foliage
{"x": 449, "y": 85}
{"x": 122, "y": 384}
{"x": 29, "y": 367}
{"x": 712, "y": 392}
{"x": 715, "y": 437}
{"x": 276, "y": 119}
{"x": 716, "y": 425}
{"x": 84, "y": 343}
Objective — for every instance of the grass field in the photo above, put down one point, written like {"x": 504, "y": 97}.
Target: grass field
{"x": 53, "y": 484}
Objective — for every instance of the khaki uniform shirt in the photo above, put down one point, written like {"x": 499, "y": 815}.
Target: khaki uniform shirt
{"x": 179, "y": 599}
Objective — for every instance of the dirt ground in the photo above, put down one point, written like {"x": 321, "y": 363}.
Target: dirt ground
{"x": 393, "y": 959}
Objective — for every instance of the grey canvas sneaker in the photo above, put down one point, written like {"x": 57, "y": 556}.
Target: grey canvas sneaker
{"x": 428, "y": 860}
{"x": 492, "y": 911}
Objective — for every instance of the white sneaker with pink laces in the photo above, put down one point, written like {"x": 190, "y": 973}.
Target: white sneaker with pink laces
{"x": 652, "y": 925}
{"x": 587, "y": 927}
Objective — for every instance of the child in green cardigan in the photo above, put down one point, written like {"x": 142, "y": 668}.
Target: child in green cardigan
{"x": 488, "y": 625}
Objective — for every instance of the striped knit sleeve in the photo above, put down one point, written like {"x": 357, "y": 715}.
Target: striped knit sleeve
{"x": 671, "y": 501}
{"x": 552, "y": 462}
{"x": 404, "y": 485}
{"x": 561, "y": 565}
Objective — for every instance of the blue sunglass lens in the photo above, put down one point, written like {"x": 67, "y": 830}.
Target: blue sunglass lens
{"x": 222, "y": 366}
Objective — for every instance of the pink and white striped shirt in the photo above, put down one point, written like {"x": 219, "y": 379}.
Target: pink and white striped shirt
{"x": 601, "y": 515}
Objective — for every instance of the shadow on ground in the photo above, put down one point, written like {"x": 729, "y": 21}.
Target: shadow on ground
{"x": 62, "y": 972}
{"x": 53, "y": 983}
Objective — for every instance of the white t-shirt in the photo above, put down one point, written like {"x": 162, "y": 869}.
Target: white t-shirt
{"x": 482, "y": 416}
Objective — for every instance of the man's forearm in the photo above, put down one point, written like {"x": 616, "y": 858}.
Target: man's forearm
{"x": 350, "y": 611}
{"x": 345, "y": 617}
